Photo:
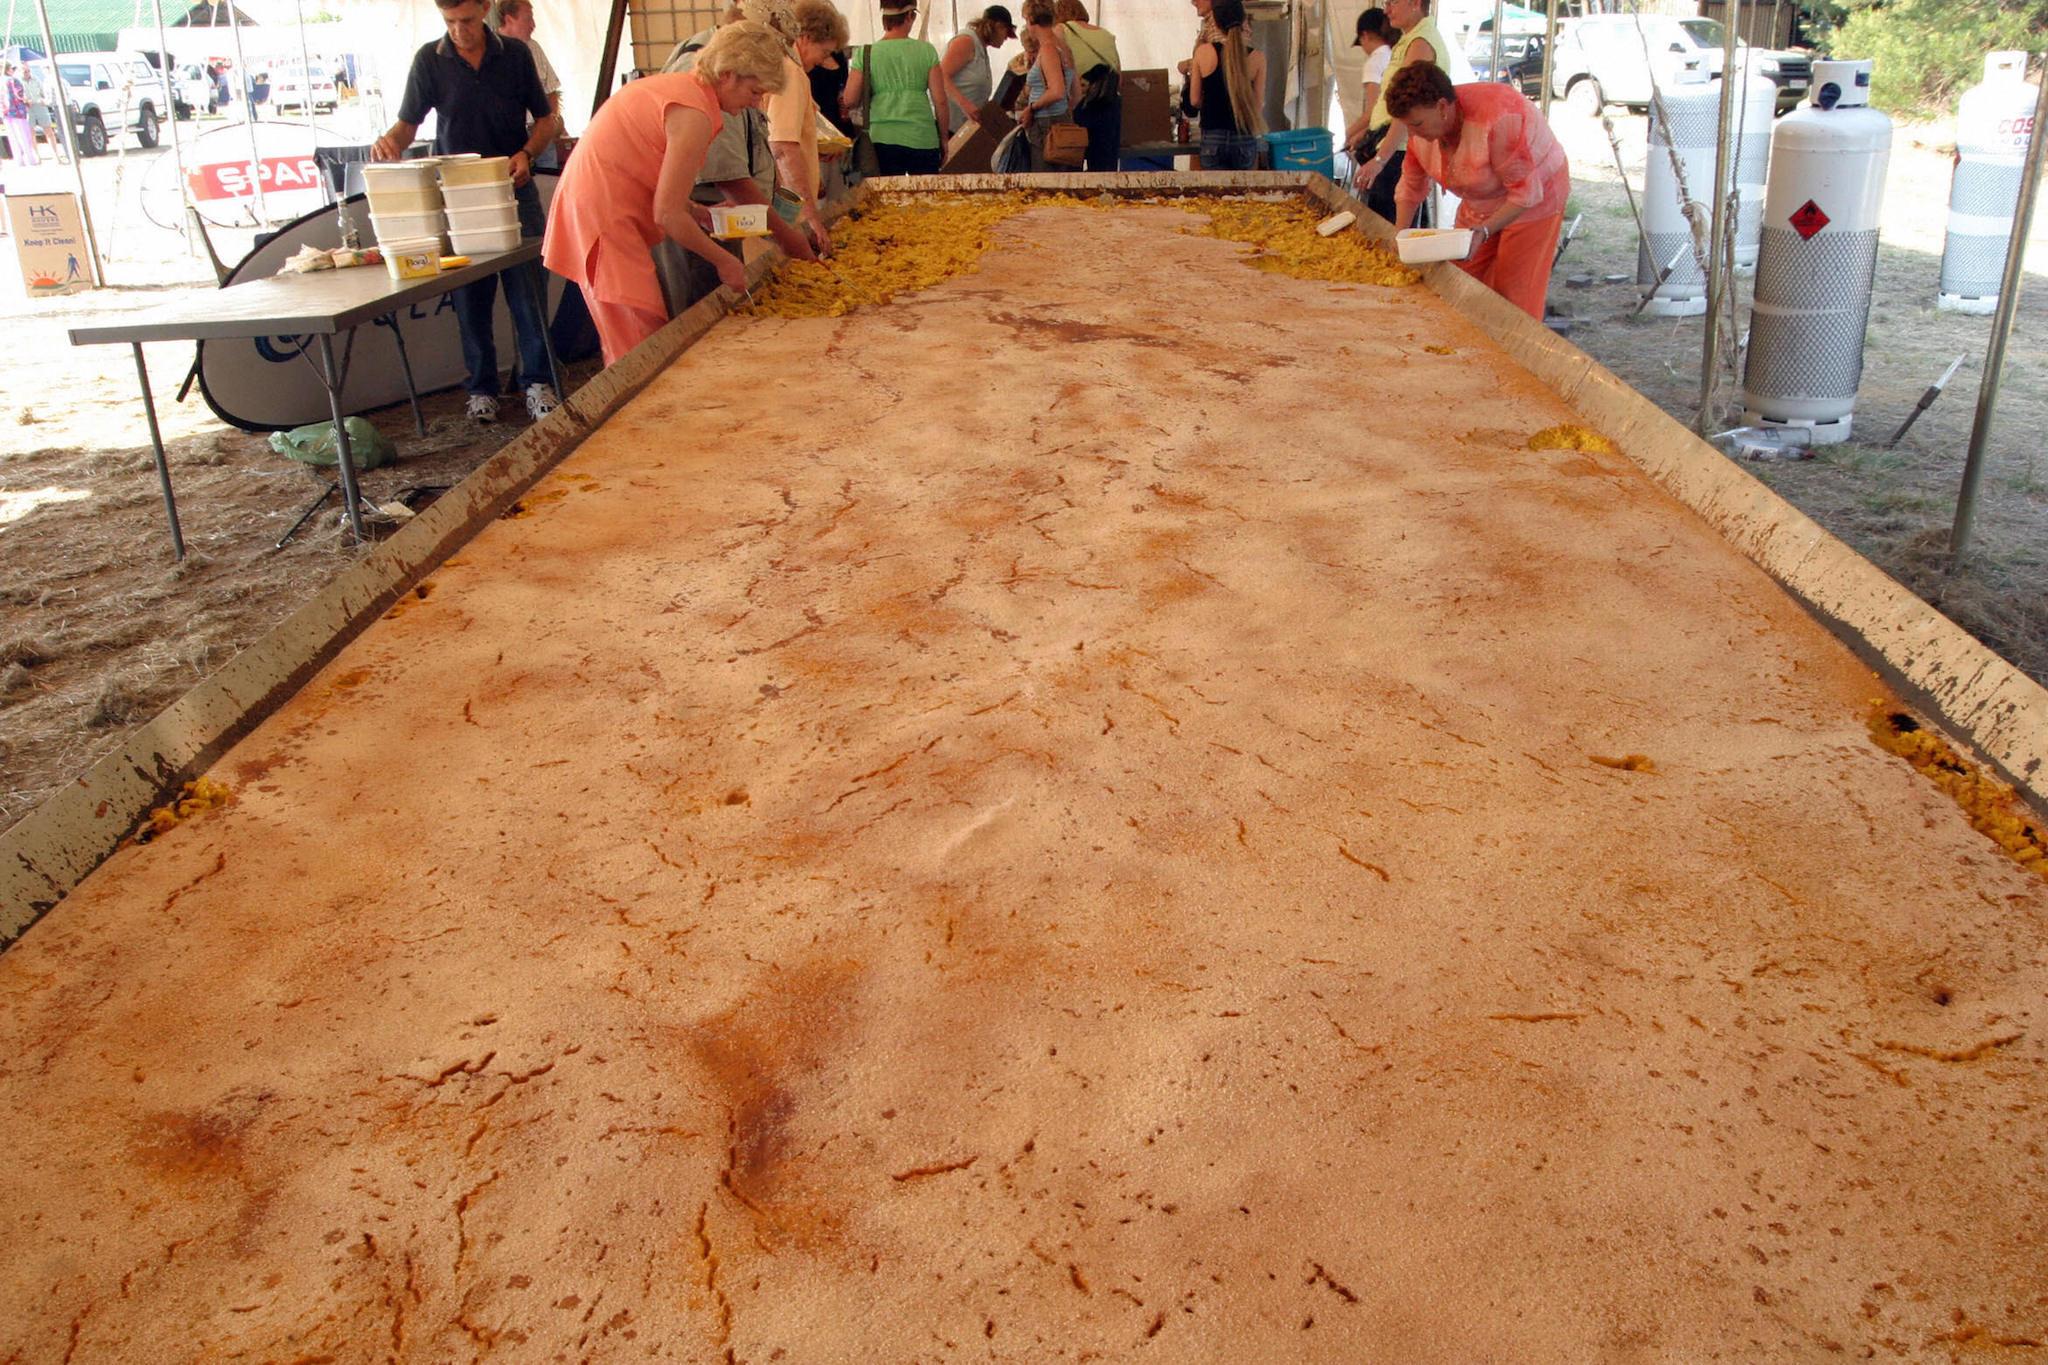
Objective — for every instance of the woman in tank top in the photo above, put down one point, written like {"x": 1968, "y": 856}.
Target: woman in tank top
{"x": 1100, "y": 68}
{"x": 1050, "y": 82}
{"x": 1227, "y": 87}
{"x": 969, "y": 82}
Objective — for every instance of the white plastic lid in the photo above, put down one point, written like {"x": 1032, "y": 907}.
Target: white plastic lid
{"x": 2005, "y": 66}
{"x": 407, "y": 245}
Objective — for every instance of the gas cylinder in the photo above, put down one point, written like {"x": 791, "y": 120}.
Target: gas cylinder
{"x": 1994, "y": 124}
{"x": 1684, "y": 125}
{"x": 1817, "y": 257}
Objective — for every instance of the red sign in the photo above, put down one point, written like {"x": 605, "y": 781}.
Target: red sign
{"x": 1807, "y": 219}
{"x": 231, "y": 180}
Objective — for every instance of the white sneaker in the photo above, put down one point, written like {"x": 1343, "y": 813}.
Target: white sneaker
{"x": 482, "y": 408}
{"x": 541, "y": 400}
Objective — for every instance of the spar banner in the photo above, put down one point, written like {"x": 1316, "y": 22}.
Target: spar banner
{"x": 49, "y": 239}
{"x": 232, "y": 179}
{"x": 223, "y": 172}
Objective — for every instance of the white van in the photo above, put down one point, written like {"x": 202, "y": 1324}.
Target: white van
{"x": 109, "y": 93}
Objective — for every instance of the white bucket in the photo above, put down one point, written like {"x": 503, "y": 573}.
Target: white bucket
{"x": 482, "y": 170}
{"x": 399, "y": 227}
{"x": 401, "y": 175}
{"x": 487, "y": 216}
{"x": 1420, "y": 245}
{"x": 486, "y": 241}
{"x": 411, "y": 258}
{"x": 389, "y": 201}
{"x": 477, "y": 196}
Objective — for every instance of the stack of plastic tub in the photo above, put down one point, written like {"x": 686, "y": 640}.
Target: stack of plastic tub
{"x": 405, "y": 205}
{"x": 482, "y": 216}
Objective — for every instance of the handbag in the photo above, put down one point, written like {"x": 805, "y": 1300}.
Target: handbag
{"x": 1012, "y": 155}
{"x": 866, "y": 162}
{"x": 1066, "y": 145}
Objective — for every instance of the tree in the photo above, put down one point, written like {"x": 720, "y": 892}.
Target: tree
{"x": 1927, "y": 52}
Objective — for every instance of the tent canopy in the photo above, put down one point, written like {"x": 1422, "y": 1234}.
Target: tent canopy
{"x": 77, "y": 25}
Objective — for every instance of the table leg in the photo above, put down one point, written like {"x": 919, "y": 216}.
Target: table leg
{"x": 344, "y": 454}
{"x": 163, "y": 467}
{"x": 412, "y": 391}
{"x": 547, "y": 336}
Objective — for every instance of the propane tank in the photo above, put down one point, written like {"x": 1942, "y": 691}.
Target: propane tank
{"x": 1686, "y": 121}
{"x": 1683, "y": 123}
{"x": 1757, "y": 107}
{"x": 1817, "y": 258}
{"x": 1994, "y": 124}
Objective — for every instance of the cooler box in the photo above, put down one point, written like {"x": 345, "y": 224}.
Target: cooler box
{"x": 1303, "y": 149}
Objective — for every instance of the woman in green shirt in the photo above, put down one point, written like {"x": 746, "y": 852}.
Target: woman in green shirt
{"x": 908, "y": 90}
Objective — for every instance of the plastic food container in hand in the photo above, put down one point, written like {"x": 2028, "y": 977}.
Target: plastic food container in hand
{"x": 485, "y": 241}
{"x": 405, "y": 227}
{"x": 485, "y": 216}
{"x": 478, "y": 196}
{"x": 1419, "y": 246}
{"x": 739, "y": 220}
{"x": 483, "y": 170}
{"x": 412, "y": 258}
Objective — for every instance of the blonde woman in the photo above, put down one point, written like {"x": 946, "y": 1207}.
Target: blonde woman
{"x": 793, "y": 113}
{"x": 628, "y": 185}
{"x": 1227, "y": 87}
{"x": 1050, "y": 83}
{"x": 1099, "y": 104}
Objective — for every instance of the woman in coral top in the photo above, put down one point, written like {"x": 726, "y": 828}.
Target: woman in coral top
{"x": 1488, "y": 145}
{"x": 628, "y": 184}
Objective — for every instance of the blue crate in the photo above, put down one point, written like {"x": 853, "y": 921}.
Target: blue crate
{"x": 1145, "y": 163}
{"x": 1302, "y": 149}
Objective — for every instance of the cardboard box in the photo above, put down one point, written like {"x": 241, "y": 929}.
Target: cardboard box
{"x": 1148, "y": 107}
{"x": 973, "y": 148}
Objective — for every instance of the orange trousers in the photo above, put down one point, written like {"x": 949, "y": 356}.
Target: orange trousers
{"x": 621, "y": 326}
{"x": 1515, "y": 262}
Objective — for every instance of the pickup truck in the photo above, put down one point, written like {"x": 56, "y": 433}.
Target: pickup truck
{"x": 1617, "y": 58}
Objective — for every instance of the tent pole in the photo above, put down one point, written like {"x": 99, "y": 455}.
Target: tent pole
{"x": 2001, "y": 332}
{"x": 1499, "y": 13}
{"x": 248, "y": 117}
{"x": 1717, "y": 276}
{"x": 306, "y": 58}
{"x": 63, "y": 116}
{"x": 1549, "y": 46}
{"x": 163, "y": 47}
{"x": 608, "y": 61}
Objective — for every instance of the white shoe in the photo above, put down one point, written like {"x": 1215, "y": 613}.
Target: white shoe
{"x": 541, "y": 400}
{"x": 482, "y": 408}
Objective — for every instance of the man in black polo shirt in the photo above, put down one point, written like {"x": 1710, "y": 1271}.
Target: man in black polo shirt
{"x": 484, "y": 87}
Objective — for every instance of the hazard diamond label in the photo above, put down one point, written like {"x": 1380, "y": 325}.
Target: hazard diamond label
{"x": 1807, "y": 219}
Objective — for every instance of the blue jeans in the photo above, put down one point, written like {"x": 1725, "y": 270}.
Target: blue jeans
{"x": 1227, "y": 151}
{"x": 474, "y": 306}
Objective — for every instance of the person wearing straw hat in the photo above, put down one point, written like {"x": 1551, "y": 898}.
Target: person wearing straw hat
{"x": 484, "y": 88}
{"x": 629, "y": 185}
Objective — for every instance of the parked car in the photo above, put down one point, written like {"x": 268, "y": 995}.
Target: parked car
{"x": 288, "y": 88}
{"x": 109, "y": 93}
{"x": 1612, "y": 59}
{"x": 1791, "y": 72}
{"x": 1521, "y": 61}
{"x": 193, "y": 91}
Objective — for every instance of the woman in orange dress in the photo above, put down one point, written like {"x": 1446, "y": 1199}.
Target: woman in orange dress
{"x": 628, "y": 184}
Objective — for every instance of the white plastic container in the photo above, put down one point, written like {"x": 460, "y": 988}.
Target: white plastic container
{"x": 477, "y": 196}
{"x": 406, "y": 227}
{"x": 486, "y": 241}
{"x": 402, "y": 175}
{"x": 391, "y": 202}
{"x": 739, "y": 220}
{"x": 486, "y": 216}
{"x": 413, "y": 258}
{"x": 1419, "y": 246}
{"x": 481, "y": 170}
